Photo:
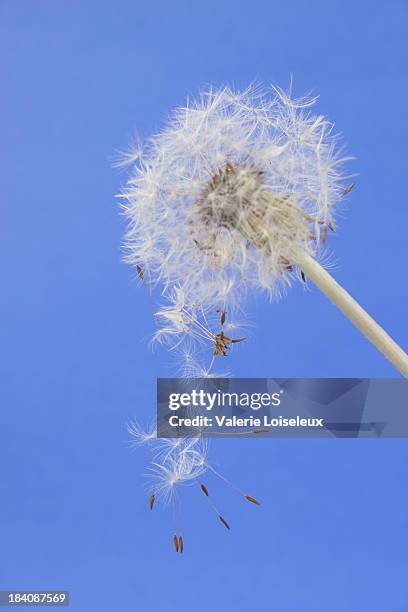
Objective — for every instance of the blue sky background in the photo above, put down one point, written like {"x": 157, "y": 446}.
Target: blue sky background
{"x": 78, "y": 79}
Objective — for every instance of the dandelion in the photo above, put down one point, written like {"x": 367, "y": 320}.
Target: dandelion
{"x": 238, "y": 192}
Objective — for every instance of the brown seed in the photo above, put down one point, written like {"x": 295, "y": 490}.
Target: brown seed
{"x": 181, "y": 545}
{"x": 223, "y": 315}
{"x": 286, "y": 264}
{"x": 331, "y": 226}
{"x": 224, "y": 522}
{"x": 324, "y": 234}
{"x": 204, "y": 489}
{"x": 152, "y": 498}
{"x": 303, "y": 277}
{"x": 221, "y": 342}
{"x": 252, "y": 500}
{"x": 176, "y": 542}
{"x": 234, "y": 340}
{"x": 349, "y": 188}
{"x": 140, "y": 272}
{"x": 259, "y": 431}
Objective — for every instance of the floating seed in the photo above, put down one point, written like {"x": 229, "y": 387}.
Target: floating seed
{"x": 204, "y": 489}
{"x": 152, "y": 499}
{"x": 252, "y": 500}
{"x": 140, "y": 272}
{"x": 349, "y": 188}
{"x": 224, "y": 522}
{"x": 181, "y": 545}
{"x": 176, "y": 542}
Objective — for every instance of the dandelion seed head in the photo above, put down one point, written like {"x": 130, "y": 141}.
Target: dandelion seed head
{"x": 221, "y": 197}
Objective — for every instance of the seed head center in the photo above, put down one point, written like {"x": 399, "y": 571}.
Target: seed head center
{"x": 232, "y": 190}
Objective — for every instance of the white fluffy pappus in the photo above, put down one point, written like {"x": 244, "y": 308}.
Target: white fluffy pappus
{"x": 175, "y": 464}
{"x": 233, "y": 185}
{"x": 175, "y": 461}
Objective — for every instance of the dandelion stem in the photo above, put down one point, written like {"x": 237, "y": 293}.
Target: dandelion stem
{"x": 353, "y": 311}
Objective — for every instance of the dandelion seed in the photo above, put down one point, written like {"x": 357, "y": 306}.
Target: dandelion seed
{"x": 152, "y": 499}
{"x": 224, "y": 522}
{"x": 181, "y": 544}
{"x": 140, "y": 272}
{"x": 349, "y": 188}
{"x": 139, "y": 435}
{"x": 252, "y": 500}
{"x": 176, "y": 542}
{"x": 177, "y": 469}
{"x": 204, "y": 489}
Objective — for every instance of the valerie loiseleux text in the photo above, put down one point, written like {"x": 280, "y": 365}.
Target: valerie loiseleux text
{"x": 255, "y": 401}
{"x": 251, "y": 421}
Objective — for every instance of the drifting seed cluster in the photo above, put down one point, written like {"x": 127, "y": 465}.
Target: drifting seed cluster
{"x": 177, "y": 462}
